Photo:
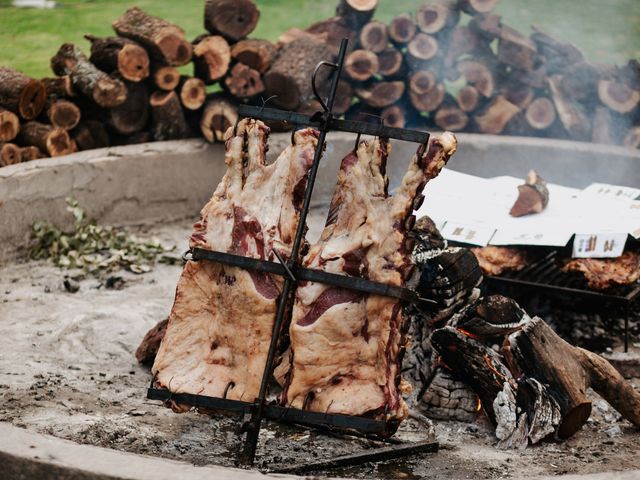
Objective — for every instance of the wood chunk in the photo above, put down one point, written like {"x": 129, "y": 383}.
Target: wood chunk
{"x": 428, "y": 101}
{"x": 219, "y": 114}
{"x": 540, "y": 113}
{"x": 291, "y": 71}
{"x": 496, "y": 116}
{"x": 361, "y": 65}
{"x": 402, "y": 29}
{"x": 54, "y": 141}
{"x": 192, "y": 92}
{"x": 87, "y": 79}
{"x": 63, "y": 114}
{"x": 166, "y": 78}
{"x": 21, "y": 94}
{"x": 558, "y": 55}
{"x": 90, "y": 134}
{"x": 422, "y": 81}
{"x": 167, "y": 118}
{"x": 211, "y": 58}
{"x": 435, "y": 17}
{"x": 422, "y": 47}
{"x": 9, "y": 125}
{"x": 133, "y": 114}
{"x": 632, "y": 138}
{"x": 356, "y": 12}
{"x": 58, "y": 86}
{"x": 256, "y": 54}
{"x": 516, "y": 50}
{"x": 486, "y": 25}
{"x": 473, "y": 7}
{"x": 391, "y": 63}
{"x": 533, "y": 196}
{"x": 9, "y": 154}
{"x": 30, "y": 153}
{"x": 243, "y": 81}
{"x": 163, "y": 40}
{"x": 233, "y": 19}
{"x": 344, "y": 97}
{"x": 451, "y": 118}
{"x": 468, "y": 98}
{"x": 571, "y": 114}
{"x": 478, "y": 75}
{"x": 617, "y": 96}
{"x": 373, "y": 37}
{"x": 381, "y": 94}
{"x": 119, "y": 54}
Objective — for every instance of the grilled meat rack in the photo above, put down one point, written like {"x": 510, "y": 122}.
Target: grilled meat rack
{"x": 254, "y": 412}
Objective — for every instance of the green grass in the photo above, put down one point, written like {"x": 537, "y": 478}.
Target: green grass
{"x": 606, "y": 31}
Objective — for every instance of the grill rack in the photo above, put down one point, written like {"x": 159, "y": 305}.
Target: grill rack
{"x": 258, "y": 409}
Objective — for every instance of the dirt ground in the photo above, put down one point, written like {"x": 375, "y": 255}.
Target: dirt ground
{"x": 67, "y": 368}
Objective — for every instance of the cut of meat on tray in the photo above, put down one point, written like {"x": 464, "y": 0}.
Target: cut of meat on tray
{"x": 346, "y": 346}
{"x": 603, "y": 273}
{"x": 497, "y": 260}
{"x": 221, "y": 322}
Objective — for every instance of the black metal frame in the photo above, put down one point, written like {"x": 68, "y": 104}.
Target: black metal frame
{"x": 292, "y": 272}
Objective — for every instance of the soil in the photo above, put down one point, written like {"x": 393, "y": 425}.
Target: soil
{"x": 67, "y": 368}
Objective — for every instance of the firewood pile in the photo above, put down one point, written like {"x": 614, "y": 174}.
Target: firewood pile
{"x": 450, "y": 65}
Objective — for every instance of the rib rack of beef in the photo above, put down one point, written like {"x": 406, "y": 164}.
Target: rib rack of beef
{"x": 346, "y": 347}
{"x": 221, "y": 322}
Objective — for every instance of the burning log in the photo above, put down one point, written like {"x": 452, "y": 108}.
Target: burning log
{"x": 473, "y": 7}
{"x": 167, "y": 118}
{"x": 233, "y": 19}
{"x": 495, "y": 117}
{"x": 391, "y": 63}
{"x": 373, "y": 37}
{"x": 468, "y": 98}
{"x": 361, "y": 65}
{"x": 119, "y": 54}
{"x": 402, "y": 29}
{"x": 90, "y": 134}
{"x": 219, "y": 114}
{"x": 381, "y": 94}
{"x": 451, "y": 118}
{"x": 516, "y": 50}
{"x": 58, "y": 86}
{"x": 93, "y": 83}
{"x": 63, "y": 114}
{"x": 133, "y": 114}
{"x": 20, "y": 94}
{"x": 192, "y": 93}
{"x": 166, "y": 78}
{"x": 356, "y": 12}
{"x": 9, "y": 125}
{"x": 533, "y": 196}
{"x": 256, "y": 54}
{"x": 9, "y": 154}
{"x": 211, "y": 58}
{"x": 435, "y": 17}
{"x": 540, "y": 114}
{"x": 54, "y": 141}
{"x": 428, "y": 101}
{"x": 617, "y": 96}
{"x": 164, "y": 40}
{"x": 289, "y": 75}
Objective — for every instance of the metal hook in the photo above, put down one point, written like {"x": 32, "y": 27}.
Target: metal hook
{"x": 264, "y": 102}
{"x": 313, "y": 82}
{"x": 308, "y": 398}
{"x": 355, "y": 147}
{"x": 229, "y": 386}
{"x": 284, "y": 265}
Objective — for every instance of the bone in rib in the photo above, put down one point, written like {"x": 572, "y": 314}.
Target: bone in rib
{"x": 346, "y": 346}
{"x": 220, "y": 325}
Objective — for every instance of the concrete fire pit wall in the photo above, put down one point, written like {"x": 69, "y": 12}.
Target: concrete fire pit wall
{"x": 167, "y": 181}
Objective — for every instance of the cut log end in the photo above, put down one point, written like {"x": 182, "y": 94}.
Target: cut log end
{"x": 233, "y": 19}
{"x": 361, "y": 65}
{"x": 256, "y": 54}
{"x": 402, "y": 29}
{"x": 32, "y": 100}
{"x": 193, "y": 93}
{"x": 9, "y": 154}
{"x": 286, "y": 91}
{"x": 133, "y": 63}
{"x": 478, "y": 75}
{"x": 451, "y": 118}
{"x": 394, "y": 116}
{"x": 390, "y": 63}
{"x": 177, "y": 51}
{"x": 109, "y": 92}
{"x": 618, "y": 96}
{"x": 374, "y": 37}
{"x": 381, "y": 94}
{"x": 9, "y": 125}
{"x": 540, "y": 113}
{"x": 422, "y": 81}
{"x": 64, "y": 114}
{"x": 434, "y": 17}
{"x": 468, "y": 98}
{"x": 244, "y": 81}
{"x": 473, "y": 7}
{"x": 356, "y": 13}
{"x": 59, "y": 143}
{"x": 423, "y": 47}
{"x": 218, "y": 116}
{"x": 428, "y": 101}
{"x": 212, "y": 56}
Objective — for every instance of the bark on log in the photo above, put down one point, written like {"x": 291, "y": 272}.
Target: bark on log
{"x": 116, "y": 53}
{"x": 374, "y": 37}
{"x": 166, "y": 78}
{"x": 167, "y": 118}
{"x": 519, "y": 94}
{"x": 21, "y": 94}
{"x": 90, "y": 134}
{"x": 233, "y": 19}
{"x": 478, "y": 75}
{"x": 571, "y": 114}
{"x": 211, "y": 58}
{"x": 344, "y": 97}
{"x": 9, "y": 154}
{"x": 422, "y": 81}
{"x": 464, "y": 41}
{"x": 58, "y": 86}
{"x": 428, "y": 101}
{"x": 451, "y": 118}
{"x": 617, "y": 96}
{"x": 332, "y": 31}
{"x": 256, "y": 54}
{"x": 132, "y": 115}
{"x": 468, "y": 98}
{"x": 580, "y": 82}
{"x": 435, "y": 17}
{"x": 381, "y": 94}
{"x": 361, "y": 65}
{"x": 9, "y": 125}
{"x": 63, "y": 114}
{"x": 632, "y": 138}
{"x": 95, "y": 84}
{"x": 54, "y": 141}
{"x": 558, "y": 55}
{"x": 603, "y": 126}
{"x": 192, "y": 93}
{"x": 496, "y": 116}
{"x": 219, "y": 114}
{"x": 30, "y": 153}
{"x": 290, "y": 74}
{"x": 402, "y": 29}
{"x": 391, "y": 63}
{"x": 540, "y": 113}
{"x": 243, "y": 81}
{"x": 356, "y": 12}
{"x": 486, "y": 25}
{"x": 473, "y": 7}
{"x": 163, "y": 40}
{"x": 516, "y": 50}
